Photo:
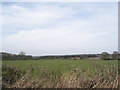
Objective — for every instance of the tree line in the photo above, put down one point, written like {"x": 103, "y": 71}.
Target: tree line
{"x": 20, "y": 56}
{"x": 107, "y": 56}
{"x": 23, "y": 56}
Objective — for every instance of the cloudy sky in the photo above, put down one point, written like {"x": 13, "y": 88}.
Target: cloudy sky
{"x": 60, "y": 28}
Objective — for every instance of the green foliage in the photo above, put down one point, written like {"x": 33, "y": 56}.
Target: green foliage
{"x": 10, "y": 74}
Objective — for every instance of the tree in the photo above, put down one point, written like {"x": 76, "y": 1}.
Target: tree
{"x": 22, "y": 53}
{"x": 119, "y": 56}
{"x": 115, "y": 55}
{"x": 105, "y": 56}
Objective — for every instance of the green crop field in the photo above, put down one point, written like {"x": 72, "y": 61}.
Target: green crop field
{"x": 62, "y": 66}
{"x": 60, "y": 73}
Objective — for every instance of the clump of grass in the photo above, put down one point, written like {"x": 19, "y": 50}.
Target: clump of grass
{"x": 100, "y": 80}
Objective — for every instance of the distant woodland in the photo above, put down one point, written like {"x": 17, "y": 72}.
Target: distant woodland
{"x": 23, "y": 56}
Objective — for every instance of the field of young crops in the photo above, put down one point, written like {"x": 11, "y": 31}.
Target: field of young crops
{"x": 62, "y": 66}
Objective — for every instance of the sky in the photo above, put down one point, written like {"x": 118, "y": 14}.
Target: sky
{"x": 49, "y": 28}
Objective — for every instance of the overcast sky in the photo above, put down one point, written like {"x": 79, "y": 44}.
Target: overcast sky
{"x": 60, "y": 28}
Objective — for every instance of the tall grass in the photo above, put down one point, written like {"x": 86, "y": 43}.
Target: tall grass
{"x": 105, "y": 77}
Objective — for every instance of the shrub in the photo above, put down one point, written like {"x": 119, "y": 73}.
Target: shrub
{"x": 10, "y": 74}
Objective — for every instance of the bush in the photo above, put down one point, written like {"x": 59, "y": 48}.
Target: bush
{"x": 10, "y": 75}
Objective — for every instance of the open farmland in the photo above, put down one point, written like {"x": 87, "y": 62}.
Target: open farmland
{"x": 63, "y": 66}
{"x": 60, "y": 73}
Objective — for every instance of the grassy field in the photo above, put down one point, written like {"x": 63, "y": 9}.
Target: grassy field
{"x": 62, "y": 66}
{"x": 60, "y": 73}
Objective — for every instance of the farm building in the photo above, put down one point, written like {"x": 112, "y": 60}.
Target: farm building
{"x": 75, "y": 58}
{"x": 95, "y": 58}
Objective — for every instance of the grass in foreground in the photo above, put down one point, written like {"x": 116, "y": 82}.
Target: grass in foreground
{"x": 61, "y": 74}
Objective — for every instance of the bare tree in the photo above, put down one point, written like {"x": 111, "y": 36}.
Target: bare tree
{"x": 22, "y": 53}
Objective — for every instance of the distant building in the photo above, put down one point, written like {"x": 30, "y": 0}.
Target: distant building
{"x": 94, "y": 58}
{"x": 75, "y": 58}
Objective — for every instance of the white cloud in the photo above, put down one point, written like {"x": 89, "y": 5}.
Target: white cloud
{"x": 65, "y": 32}
{"x": 62, "y": 40}
{"x": 61, "y": 0}
{"x": 33, "y": 17}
